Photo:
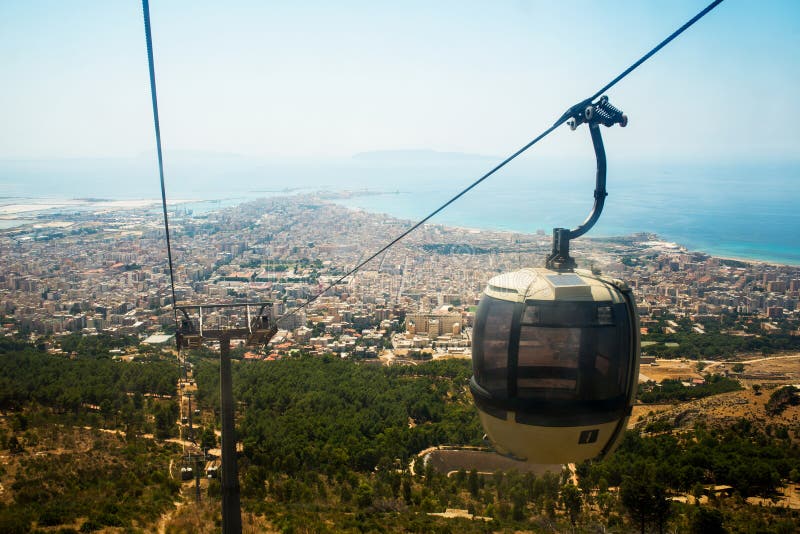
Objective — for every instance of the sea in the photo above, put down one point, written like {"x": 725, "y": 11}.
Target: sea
{"x": 743, "y": 212}
{"x": 740, "y": 210}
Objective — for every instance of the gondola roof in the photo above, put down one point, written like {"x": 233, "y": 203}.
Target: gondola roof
{"x": 544, "y": 285}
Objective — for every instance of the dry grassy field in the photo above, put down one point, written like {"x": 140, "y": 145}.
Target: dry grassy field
{"x": 669, "y": 369}
{"x": 722, "y": 409}
{"x": 768, "y": 372}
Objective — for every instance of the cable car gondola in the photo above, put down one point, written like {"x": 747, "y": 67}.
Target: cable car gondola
{"x": 555, "y": 350}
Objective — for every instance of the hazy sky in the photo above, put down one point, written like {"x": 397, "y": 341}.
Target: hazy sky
{"x": 297, "y": 79}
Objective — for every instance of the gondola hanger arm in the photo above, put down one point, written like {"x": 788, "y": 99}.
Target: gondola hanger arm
{"x": 594, "y": 114}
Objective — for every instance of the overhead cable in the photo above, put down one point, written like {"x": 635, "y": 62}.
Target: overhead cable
{"x": 151, "y": 64}
{"x": 566, "y": 116}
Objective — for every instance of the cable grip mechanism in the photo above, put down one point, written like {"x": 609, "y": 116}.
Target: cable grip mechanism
{"x": 594, "y": 114}
{"x": 600, "y": 112}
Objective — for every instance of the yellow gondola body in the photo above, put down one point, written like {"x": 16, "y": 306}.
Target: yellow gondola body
{"x": 555, "y": 362}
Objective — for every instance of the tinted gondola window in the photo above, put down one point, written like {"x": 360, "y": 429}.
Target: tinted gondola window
{"x": 490, "y": 344}
{"x": 548, "y": 358}
{"x": 573, "y": 351}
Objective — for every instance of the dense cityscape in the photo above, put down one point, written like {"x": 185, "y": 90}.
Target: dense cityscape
{"x": 106, "y": 271}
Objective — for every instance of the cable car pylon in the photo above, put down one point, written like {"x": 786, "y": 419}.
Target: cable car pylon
{"x": 192, "y": 334}
{"x": 555, "y": 350}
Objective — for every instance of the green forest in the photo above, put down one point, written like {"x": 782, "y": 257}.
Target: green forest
{"x": 89, "y": 390}
{"x": 671, "y": 390}
{"x": 332, "y": 415}
{"x": 74, "y": 431}
{"x": 329, "y": 446}
{"x": 715, "y": 345}
{"x": 328, "y": 442}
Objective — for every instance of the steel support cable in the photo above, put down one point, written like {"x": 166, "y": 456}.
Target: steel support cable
{"x": 566, "y": 116}
{"x": 423, "y": 221}
{"x": 151, "y": 64}
{"x": 660, "y": 45}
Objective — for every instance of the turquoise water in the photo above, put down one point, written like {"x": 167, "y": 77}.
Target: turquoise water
{"x": 743, "y": 212}
{"x": 746, "y": 210}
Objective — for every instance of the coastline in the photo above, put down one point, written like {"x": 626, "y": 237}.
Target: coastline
{"x": 16, "y": 212}
{"x": 37, "y": 205}
{"x": 713, "y": 252}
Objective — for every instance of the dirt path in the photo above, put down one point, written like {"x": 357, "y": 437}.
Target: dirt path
{"x": 166, "y": 516}
{"x": 169, "y": 514}
{"x": 754, "y": 360}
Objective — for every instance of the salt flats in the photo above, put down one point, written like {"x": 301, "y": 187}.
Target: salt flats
{"x": 28, "y": 206}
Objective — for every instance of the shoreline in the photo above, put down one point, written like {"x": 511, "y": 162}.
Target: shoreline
{"x": 678, "y": 247}
{"x": 346, "y": 198}
{"x": 25, "y": 211}
{"x": 37, "y": 205}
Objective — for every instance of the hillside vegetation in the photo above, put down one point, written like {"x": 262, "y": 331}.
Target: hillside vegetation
{"x": 63, "y": 463}
{"x": 329, "y": 446}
